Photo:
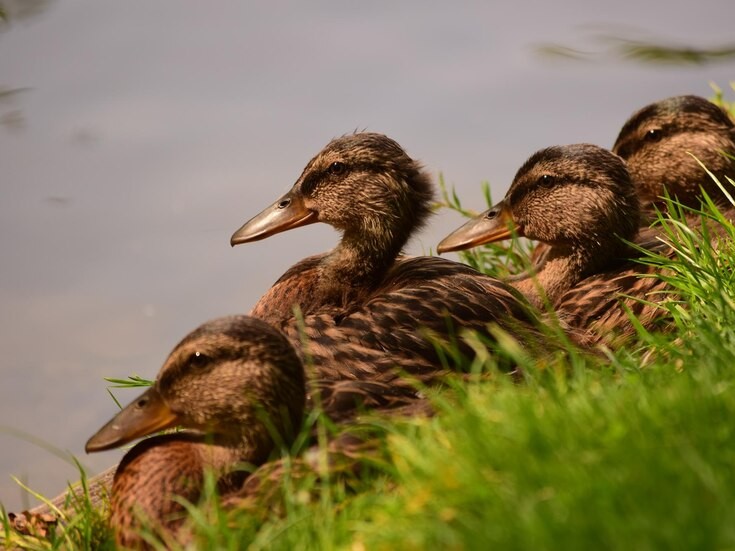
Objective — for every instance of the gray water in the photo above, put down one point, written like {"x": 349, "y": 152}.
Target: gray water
{"x": 150, "y": 131}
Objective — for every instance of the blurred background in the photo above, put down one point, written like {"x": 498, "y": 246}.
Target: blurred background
{"x": 136, "y": 136}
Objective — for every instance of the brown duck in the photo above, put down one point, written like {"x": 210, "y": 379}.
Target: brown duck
{"x": 367, "y": 310}
{"x": 235, "y": 384}
{"x": 364, "y": 308}
{"x": 578, "y": 200}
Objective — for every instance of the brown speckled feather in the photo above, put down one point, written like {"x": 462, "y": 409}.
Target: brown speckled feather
{"x": 423, "y": 293}
{"x": 276, "y": 305}
{"x": 155, "y": 475}
{"x": 345, "y": 456}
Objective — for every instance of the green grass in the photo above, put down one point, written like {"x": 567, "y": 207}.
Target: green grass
{"x": 633, "y": 450}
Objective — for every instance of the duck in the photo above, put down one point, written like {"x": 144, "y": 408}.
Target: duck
{"x": 368, "y": 316}
{"x": 238, "y": 388}
{"x": 579, "y": 200}
{"x": 660, "y": 142}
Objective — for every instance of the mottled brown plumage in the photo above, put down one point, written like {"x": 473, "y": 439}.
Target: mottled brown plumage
{"x": 236, "y": 384}
{"x": 366, "y": 311}
{"x": 346, "y": 454}
{"x": 578, "y": 200}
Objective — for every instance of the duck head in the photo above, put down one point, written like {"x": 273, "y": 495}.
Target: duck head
{"x": 362, "y": 184}
{"x": 578, "y": 199}
{"x": 564, "y": 196}
{"x": 230, "y": 378}
{"x": 658, "y": 142}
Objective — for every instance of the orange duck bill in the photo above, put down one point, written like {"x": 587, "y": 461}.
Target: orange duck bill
{"x": 146, "y": 415}
{"x": 285, "y": 214}
{"x": 492, "y": 225}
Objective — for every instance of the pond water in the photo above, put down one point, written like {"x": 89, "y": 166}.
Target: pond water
{"x": 149, "y": 131}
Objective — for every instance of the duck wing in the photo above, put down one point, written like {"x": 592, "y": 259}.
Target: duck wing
{"x": 381, "y": 351}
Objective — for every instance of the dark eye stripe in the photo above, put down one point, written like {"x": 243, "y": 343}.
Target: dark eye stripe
{"x": 309, "y": 183}
{"x": 314, "y": 177}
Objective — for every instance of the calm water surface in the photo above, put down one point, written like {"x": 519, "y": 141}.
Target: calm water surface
{"x": 151, "y": 130}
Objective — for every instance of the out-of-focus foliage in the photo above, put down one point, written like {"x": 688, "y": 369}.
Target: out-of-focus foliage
{"x": 11, "y": 118}
{"x": 720, "y": 100}
{"x": 642, "y": 50}
{"x": 17, "y": 10}
{"x": 13, "y": 11}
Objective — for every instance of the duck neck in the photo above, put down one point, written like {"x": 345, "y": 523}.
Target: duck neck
{"x": 358, "y": 264}
{"x": 562, "y": 267}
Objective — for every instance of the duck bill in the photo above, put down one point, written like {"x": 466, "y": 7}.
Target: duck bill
{"x": 146, "y": 415}
{"x": 492, "y": 225}
{"x": 285, "y": 214}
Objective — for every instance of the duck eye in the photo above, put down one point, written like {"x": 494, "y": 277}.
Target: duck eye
{"x": 653, "y": 135}
{"x": 546, "y": 180}
{"x": 337, "y": 168}
{"x": 199, "y": 360}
